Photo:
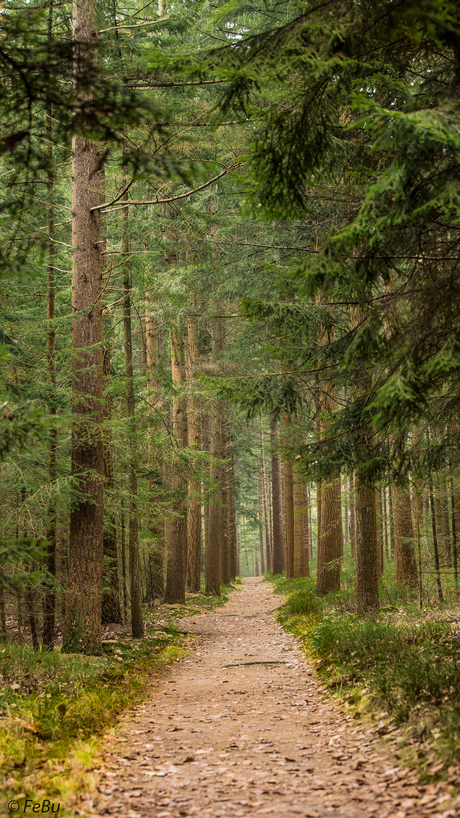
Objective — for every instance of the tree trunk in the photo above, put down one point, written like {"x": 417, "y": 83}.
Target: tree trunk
{"x": 124, "y": 577}
{"x": 455, "y": 507}
{"x": 378, "y": 508}
{"x": 406, "y": 564}
{"x": 279, "y": 561}
{"x": 260, "y": 517}
{"x": 226, "y": 499}
{"x": 82, "y": 630}
{"x": 329, "y": 544}
{"x": 366, "y": 584}
{"x": 231, "y": 526}
{"x": 223, "y": 500}
{"x": 306, "y": 528}
{"x": 194, "y": 442}
{"x": 206, "y": 417}
{"x": 49, "y": 600}
{"x": 330, "y": 541}
{"x": 214, "y": 540}
{"x": 299, "y": 555}
{"x": 445, "y": 525}
{"x": 268, "y": 547}
{"x": 352, "y": 518}
{"x": 289, "y": 508}
{"x": 176, "y": 556}
{"x": 111, "y": 600}
{"x": 213, "y": 545}
{"x": 435, "y": 543}
{"x": 155, "y": 521}
{"x": 137, "y": 623}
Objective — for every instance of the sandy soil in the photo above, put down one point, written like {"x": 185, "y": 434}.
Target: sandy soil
{"x": 243, "y": 728}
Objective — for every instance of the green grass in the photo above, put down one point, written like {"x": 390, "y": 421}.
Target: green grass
{"x": 53, "y": 706}
{"x": 400, "y": 667}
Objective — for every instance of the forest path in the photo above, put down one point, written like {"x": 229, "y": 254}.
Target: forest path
{"x": 243, "y": 728}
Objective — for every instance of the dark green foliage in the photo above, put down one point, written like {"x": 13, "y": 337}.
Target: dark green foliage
{"x": 361, "y": 110}
{"x": 21, "y": 552}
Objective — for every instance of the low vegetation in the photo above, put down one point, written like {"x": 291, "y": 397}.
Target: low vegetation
{"x": 53, "y": 706}
{"x": 400, "y": 668}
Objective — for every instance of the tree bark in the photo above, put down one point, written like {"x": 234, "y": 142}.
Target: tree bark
{"x": 268, "y": 546}
{"x": 194, "y": 442}
{"x": 330, "y": 541}
{"x": 299, "y": 555}
{"x": 406, "y": 564}
{"x": 231, "y": 523}
{"x": 137, "y": 623}
{"x": 279, "y": 560}
{"x": 49, "y": 601}
{"x": 176, "y": 556}
{"x": 82, "y": 630}
{"x": 306, "y": 529}
{"x": 213, "y": 555}
{"x": 366, "y": 584}
{"x": 155, "y": 521}
{"x": 111, "y": 598}
{"x": 289, "y": 507}
{"x": 435, "y": 543}
{"x": 260, "y": 519}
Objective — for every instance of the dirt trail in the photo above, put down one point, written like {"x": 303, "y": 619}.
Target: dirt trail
{"x": 242, "y": 728}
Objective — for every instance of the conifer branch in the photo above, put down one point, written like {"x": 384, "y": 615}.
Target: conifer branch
{"x": 116, "y": 203}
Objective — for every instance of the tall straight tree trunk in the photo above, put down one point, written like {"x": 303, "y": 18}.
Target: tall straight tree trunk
{"x": 82, "y": 630}
{"x": 346, "y": 522}
{"x": 194, "y": 442}
{"x": 330, "y": 541}
{"x": 124, "y": 577}
{"x": 111, "y": 600}
{"x": 268, "y": 547}
{"x": 206, "y": 417}
{"x": 155, "y": 520}
{"x": 406, "y": 564}
{"x": 223, "y": 501}
{"x": 289, "y": 507}
{"x": 306, "y": 528}
{"x": 49, "y": 601}
{"x": 318, "y": 482}
{"x": 214, "y": 540}
{"x": 380, "y": 524}
{"x": 366, "y": 585}
{"x": 176, "y": 556}
{"x": 261, "y": 523}
{"x": 455, "y": 507}
{"x": 368, "y": 544}
{"x": 137, "y": 623}
{"x": 226, "y": 500}
{"x": 435, "y": 543}
{"x": 445, "y": 523}
{"x": 352, "y": 517}
{"x": 213, "y": 557}
{"x": 231, "y": 522}
{"x": 392, "y": 522}
{"x": 385, "y": 523}
{"x": 279, "y": 561}
{"x": 300, "y": 554}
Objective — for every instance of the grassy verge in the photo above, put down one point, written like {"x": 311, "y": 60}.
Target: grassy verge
{"x": 399, "y": 668}
{"x": 53, "y": 707}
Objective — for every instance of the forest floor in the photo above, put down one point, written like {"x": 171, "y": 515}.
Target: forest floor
{"x": 242, "y": 727}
